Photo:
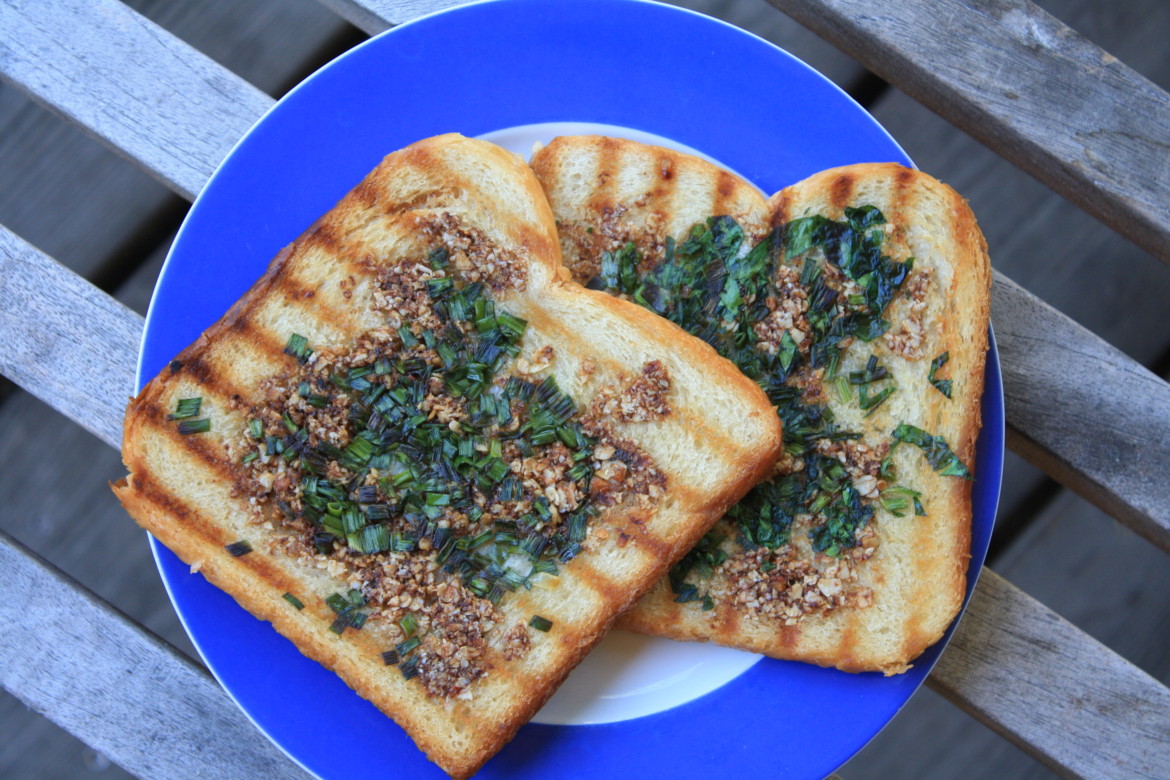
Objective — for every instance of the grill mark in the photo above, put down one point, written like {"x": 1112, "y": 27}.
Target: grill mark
{"x": 841, "y": 190}
{"x": 666, "y": 168}
{"x": 729, "y": 620}
{"x": 900, "y": 202}
{"x": 224, "y": 469}
{"x": 848, "y": 638}
{"x": 193, "y": 522}
{"x": 611, "y": 592}
{"x": 206, "y": 377}
{"x": 780, "y": 210}
{"x": 725, "y": 187}
{"x": 789, "y": 637}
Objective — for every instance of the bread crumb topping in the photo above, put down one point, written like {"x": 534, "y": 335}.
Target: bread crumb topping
{"x": 641, "y": 399}
{"x": 432, "y": 469}
{"x": 908, "y": 339}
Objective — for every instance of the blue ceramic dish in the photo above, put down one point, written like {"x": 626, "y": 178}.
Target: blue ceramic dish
{"x": 477, "y": 70}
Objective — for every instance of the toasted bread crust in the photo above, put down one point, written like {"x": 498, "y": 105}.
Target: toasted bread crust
{"x": 185, "y": 489}
{"x": 917, "y": 572}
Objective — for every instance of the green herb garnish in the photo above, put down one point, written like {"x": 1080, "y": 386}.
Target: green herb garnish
{"x": 291, "y": 599}
{"x": 935, "y": 448}
{"x": 298, "y": 347}
{"x": 185, "y": 408}
{"x": 540, "y": 623}
{"x": 236, "y": 549}
{"x": 187, "y": 427}
{"x": 942, "y": 385}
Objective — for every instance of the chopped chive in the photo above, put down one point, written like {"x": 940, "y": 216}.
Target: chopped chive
{"x": 337, "y": 603}
{"x": 406, "y": 646}
{"x": 390, "y": 657}
{"x": 238, "y": 548}
{"x": 251, "y": 456}
{"x": 540, "y": 623}
{"x": 298, "y": 347}
{"x": 291, "y": 599}
{"x": 942, "y": 385}
{"x": 256, "y": 428}
{"x": 409, "y": 624}
{"x": 187, "y": 407}
{"x": 340, "y": 623}
{"x": 409, "y": 667}
{"x": 187, "y": 427}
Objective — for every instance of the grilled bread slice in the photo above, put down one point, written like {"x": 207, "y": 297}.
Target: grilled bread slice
{"x": 432, "y": 461}
{"x": 863, "y": 312}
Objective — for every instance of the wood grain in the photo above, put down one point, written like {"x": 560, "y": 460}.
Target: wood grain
{"x": 1030, "y": 88}
{"x": 72, "y": 657}
{"x": 1063, "y": 697}
{"x": 64, "y": 340}
{"x": 1084, "y": 412}
{"x": 144, "y": 92}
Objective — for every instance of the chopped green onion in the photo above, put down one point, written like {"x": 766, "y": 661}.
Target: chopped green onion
{"x": 409, "y": 624}
{"x": 236, "y": 549}
{"x": 298, "y": 347}
{"x": 938, "y": 453}
{"x": 942, "y": 385}
{"x": 540, "y": 623}
{"x": 187, "y": 407}
{"x": 291, "y": 599}
{"x": 187, "y": 427}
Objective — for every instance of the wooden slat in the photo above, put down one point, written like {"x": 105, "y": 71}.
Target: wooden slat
{"x": 72, "y": 657}
{"x": 1084, "y": 412}
{"x": 1060, "y": 695}
{"x": 1028, "y": 87}
{"x": 64, "y": 340}
{"x": 375, "y": 16}
{"x": 138, "y": 88}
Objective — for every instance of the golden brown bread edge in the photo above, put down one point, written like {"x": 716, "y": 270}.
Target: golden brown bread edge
{"x": 607, "y": 191}
{"x": 180, "y": 488}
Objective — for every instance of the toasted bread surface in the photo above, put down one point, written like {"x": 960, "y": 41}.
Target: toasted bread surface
{"x": 658, "y": 473}
{"x": 890, "y": 591}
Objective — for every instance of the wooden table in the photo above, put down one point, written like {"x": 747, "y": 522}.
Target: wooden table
{"x": 1017, "y": 80}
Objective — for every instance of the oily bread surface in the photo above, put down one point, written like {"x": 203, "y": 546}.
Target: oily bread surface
{"x": 720, "y": 436}
{"x": 917, "y": 570}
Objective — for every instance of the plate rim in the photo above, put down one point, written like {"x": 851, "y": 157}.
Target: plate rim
{"x": 157, "y": 548}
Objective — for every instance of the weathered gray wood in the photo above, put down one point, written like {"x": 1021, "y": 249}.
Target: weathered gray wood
{"x": 1084, "y": 412}
{"x": 64, "y": 340}
{"x": 1057, "y": 693}
{"x": 95, "y": 212}
{"x": 1030, "y": 88}
{"x": 138, "y": 88}
{"x": 1041, "y": 241}
{"x": 71, "y": 656}
{"x": 375, "y": 16}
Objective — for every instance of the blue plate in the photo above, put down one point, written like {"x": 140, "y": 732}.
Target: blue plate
{"x": 477, "y": 70}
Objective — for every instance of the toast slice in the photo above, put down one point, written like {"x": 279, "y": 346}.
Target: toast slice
{"x": 432, "y": 461}
{"x": 862, "y": 310}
